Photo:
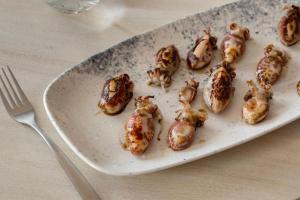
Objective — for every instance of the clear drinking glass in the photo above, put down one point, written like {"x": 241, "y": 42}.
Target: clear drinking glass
{"x": 72, "y": 6}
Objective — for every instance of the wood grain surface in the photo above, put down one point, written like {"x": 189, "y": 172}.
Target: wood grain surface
{"x": 39, "y": 43}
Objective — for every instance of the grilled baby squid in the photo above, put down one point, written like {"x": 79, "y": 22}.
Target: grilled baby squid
{"x": 167, "y": 61}
{"x": 189, "y": 92}
{"x": 140, "y": 127}
{"x": 234, "y": 43}
{"x": 218, "y": 90}
{"x": 116, "y": 94}
{"x": 257, "y": 103}
{"x": 289, "y": 25}
{"x": 182, "y": 131}
{"x": 270, "y": 67}
{"x": 201, "y": 54}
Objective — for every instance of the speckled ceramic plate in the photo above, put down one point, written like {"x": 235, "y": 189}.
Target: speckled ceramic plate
{"x": 71, "y": 99}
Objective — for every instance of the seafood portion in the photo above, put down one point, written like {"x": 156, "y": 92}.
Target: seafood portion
{"x": 167, "y": 61}
{"x": 116, "y": 94}
{"x": 289, "y": 25}
{"x": 257, "y": 103}
{"x": 218, "y": 90}
{"x": 140, "y": 127}
{"x": 270, "y": 67}
{"x": 201, "y": 54}
{"x": 189, "y": 92}
{"x": 182, "y": 131}
{"x": 159, "y": 77}
{"x": 234, "y": 43}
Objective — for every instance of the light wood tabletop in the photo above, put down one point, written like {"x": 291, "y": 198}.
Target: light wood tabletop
{"x": 39, "y": 43}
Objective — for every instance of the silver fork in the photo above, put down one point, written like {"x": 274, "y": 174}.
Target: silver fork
{"x": 21, "y": 110}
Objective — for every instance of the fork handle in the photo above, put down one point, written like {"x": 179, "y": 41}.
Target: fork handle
{"x": 83, "y": 187}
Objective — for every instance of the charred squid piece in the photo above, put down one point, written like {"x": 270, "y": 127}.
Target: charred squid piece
{"x": 270, "y": 67}
{"x": 167, "y": 60}
{"x": 182, "y": 131}
{"x": 159, "y": 77}
{"x": 257, "y": 103}
{"x": 201, "y": 54}
{"x": 218, "y": 91}
{"x": 298, "y": 88}
{"x": 140, "y": 127}
{"x": 289, "y": 25}
{"x": 234, "y": 43}
{"x": 189, "y": 91}
{"x": 116, "y": 94}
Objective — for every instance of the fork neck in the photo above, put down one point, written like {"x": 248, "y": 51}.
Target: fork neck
{"x": 30, "y": 120}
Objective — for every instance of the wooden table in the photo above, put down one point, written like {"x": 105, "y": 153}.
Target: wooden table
{"x": 39, "y": 43}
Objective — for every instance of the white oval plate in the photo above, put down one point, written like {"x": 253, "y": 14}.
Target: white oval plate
{"x": 71, "y": 99}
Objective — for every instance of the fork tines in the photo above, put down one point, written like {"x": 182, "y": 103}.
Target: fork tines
{"x": 14, "y": 93}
